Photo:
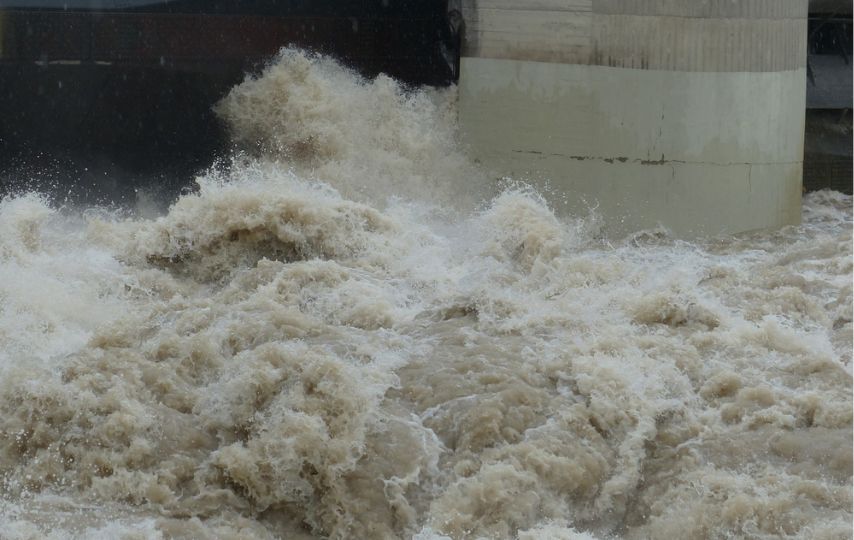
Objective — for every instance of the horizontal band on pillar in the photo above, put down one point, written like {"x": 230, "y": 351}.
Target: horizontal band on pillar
{"x": 696, "y": 44}
{"x": 678, "y": 39}
{"x": 710, "y": 9}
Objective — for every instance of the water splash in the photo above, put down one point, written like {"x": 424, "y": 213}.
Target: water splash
{"x": 313, "y": 346}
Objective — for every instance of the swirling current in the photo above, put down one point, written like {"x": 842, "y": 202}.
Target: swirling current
{"x": 350, "y": 331}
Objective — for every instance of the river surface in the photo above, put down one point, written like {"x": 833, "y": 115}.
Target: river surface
{"x": 350, "y": 331}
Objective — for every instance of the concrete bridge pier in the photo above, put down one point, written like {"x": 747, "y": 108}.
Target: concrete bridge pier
{"x": 683, "y": 113}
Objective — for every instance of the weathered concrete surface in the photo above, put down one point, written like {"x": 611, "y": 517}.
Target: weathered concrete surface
{"x": 685, "y": 114}
{"x": 701, "y": 153}
{"x": 711, "y": 35}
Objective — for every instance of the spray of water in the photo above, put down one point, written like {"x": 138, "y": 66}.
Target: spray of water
{"x": 346, "y": 334}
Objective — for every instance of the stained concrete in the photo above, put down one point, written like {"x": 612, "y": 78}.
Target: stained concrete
{"x": 676, "y": 129}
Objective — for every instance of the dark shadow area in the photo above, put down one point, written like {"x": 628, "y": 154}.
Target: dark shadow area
{"x": 828, "y": 129}
{"x": 98, "y": 102}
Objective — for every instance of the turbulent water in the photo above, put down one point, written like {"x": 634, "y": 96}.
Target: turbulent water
{"x": 349, "y": 332}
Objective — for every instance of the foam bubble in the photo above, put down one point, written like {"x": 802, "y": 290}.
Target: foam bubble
{"x": 310, "y": 347}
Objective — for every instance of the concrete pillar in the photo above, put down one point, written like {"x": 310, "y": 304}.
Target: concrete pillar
{"x": 684, "y": 113}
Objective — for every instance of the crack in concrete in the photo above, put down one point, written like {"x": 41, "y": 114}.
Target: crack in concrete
{"x": 662, "y": 161}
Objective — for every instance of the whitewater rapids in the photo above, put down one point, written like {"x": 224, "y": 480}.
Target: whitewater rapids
{"x": 349, "y": 331}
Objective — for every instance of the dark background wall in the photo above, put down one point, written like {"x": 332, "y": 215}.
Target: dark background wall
{"x": 105, "y": 97}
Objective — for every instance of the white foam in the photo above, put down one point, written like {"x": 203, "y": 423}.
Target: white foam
{"x": 314, "y": 346}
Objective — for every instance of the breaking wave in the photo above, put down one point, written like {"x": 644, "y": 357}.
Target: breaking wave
{"x": 346, "y": 334}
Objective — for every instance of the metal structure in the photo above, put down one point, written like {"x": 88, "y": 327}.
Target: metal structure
{"x": 828, "y": 136}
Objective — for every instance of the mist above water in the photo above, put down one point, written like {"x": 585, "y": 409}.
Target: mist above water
{"x": 350, "y": 332}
